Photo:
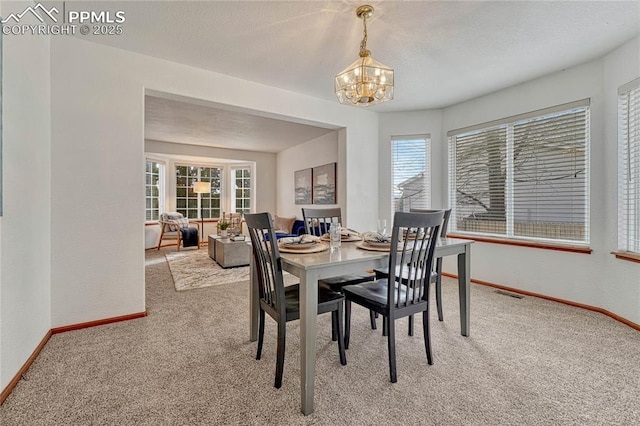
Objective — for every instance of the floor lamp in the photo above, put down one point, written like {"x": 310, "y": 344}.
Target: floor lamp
{"x": 201, "y": 188}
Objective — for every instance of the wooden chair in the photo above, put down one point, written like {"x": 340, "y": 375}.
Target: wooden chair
{"x": 437, "y": 276}
{"x": 170, "y": 224}
{"x": 317, "y": 222}
{"x": 280, "y": 302}
{"x": 406, "y": 291}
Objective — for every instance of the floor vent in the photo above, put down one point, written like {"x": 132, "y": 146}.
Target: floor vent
{"x": 506, "y": 293}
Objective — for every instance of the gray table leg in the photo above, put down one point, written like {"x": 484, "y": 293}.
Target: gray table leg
{"x": 464, "y": 289}
{"x": 308, "y": 316}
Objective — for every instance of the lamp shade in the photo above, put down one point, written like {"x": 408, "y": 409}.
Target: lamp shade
{"x": 201, "y": 187}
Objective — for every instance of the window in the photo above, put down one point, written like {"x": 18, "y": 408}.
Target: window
{"x": 524, "y": 177}
{"x": 154, "y": 189}
{"x": 411, "y": 177}
{"x": 187, "y": 202}
{"x": 241, "y": 193}
{"x": 629, "y": 167}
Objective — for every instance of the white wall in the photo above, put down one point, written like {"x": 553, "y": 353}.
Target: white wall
{"x": 97, "y": 134}
{"x": 357, "y": 190}
{"x": 25, "y": 252}
{"x": 621, "y": 281}
{"x": 317, "y": 152}
{"x": 595, "y": 279}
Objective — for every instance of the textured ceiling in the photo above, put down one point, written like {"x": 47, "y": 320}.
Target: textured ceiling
{"x": 443, "y": 52}
{"x": 195, "y": 123}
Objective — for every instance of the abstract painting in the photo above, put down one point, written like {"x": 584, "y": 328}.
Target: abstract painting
{"x": 324, "y": 184}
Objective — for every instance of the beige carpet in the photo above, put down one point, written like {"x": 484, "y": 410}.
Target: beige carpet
{"x": 192, "y": 269}
{"x": 527, "y": 362}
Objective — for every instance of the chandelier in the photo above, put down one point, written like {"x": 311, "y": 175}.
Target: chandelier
{"x": 365, "y": 82}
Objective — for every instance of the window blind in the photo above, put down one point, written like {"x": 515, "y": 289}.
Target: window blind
{"x": 526, "y": 177}
{"x": 411, "y": 176}
{"x": 629, "y": 167}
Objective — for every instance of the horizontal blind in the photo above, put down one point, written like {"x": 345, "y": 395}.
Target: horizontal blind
{"x": 479, "y": 190}
{"x": 550, "y": 176}
{"x": 527, "y": 178}
{"x": 411, "y": 177}
{"x": 629, "y": 168}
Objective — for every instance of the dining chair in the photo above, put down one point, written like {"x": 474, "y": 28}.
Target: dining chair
{"x": 404, "y": 292}
{"x": 281, "y": 302}
{"x": 317, "y": 222}
{"x": 436, "y": 277}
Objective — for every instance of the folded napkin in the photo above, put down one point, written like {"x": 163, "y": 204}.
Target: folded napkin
{"x": 346, "y": 232}
{"x": 302, "y": 239}
{"x": 376, "y": 237}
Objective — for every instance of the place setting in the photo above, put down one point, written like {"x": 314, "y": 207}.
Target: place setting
{"x": 377, "y": 241}
{"x": 346, "y": 236}
{"x": 303, "y": 244}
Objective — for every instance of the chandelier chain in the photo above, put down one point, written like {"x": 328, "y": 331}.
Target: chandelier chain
{"x": 363, "y": 44}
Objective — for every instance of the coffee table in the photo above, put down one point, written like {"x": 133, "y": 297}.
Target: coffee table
{"x": 228, "y": 253}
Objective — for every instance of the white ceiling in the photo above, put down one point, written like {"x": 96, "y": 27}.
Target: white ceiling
{"x": 188, "y": 121}
{"x": 443, "y": 52}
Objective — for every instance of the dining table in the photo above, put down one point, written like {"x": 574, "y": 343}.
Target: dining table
{"x": 348, "y": 259}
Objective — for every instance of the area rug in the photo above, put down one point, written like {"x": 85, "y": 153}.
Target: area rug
{"x": 192, "y": 269}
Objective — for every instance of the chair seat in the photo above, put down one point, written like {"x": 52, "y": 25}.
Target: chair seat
{"x": 374, "y": 294}
{"x": 327, "y": 301}
{"x": 384, "y": 273}
{"x": 337, "y": 283}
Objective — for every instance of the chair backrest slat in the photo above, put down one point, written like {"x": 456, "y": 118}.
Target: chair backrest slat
{"x": 318, "y": 221}
{"x": 267, "y": 260}
{"x": 412, "y": 263}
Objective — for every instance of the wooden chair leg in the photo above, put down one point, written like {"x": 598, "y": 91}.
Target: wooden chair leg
{"x": 260, "y": 334}
{"x": 347, "y": 323}
{"x": 161, "y": 234}
{"x": 334, "y": 326}
{"x": 341, "y": 349}
{"x": 439, "y": 289}
{"x": 427, "y": 335}
{"x": 372, "y": 317}
{"x": 391, "y": 339}
{"x": 282, "y": 337}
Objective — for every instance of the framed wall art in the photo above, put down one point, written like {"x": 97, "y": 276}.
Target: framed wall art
{"x": 303, "y": 186}
{"x": 324, "y": 184}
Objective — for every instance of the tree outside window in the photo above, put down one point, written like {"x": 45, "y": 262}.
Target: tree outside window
{"x": 154, "y": 189}
{"x": 525, "y": 178}
{"x": 410, "y": 173}
{"x": 187, "y": 202}
{"x": 241, "y": 200}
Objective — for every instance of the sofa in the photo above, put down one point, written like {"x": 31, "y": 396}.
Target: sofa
{"x": 297, "y": 229}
